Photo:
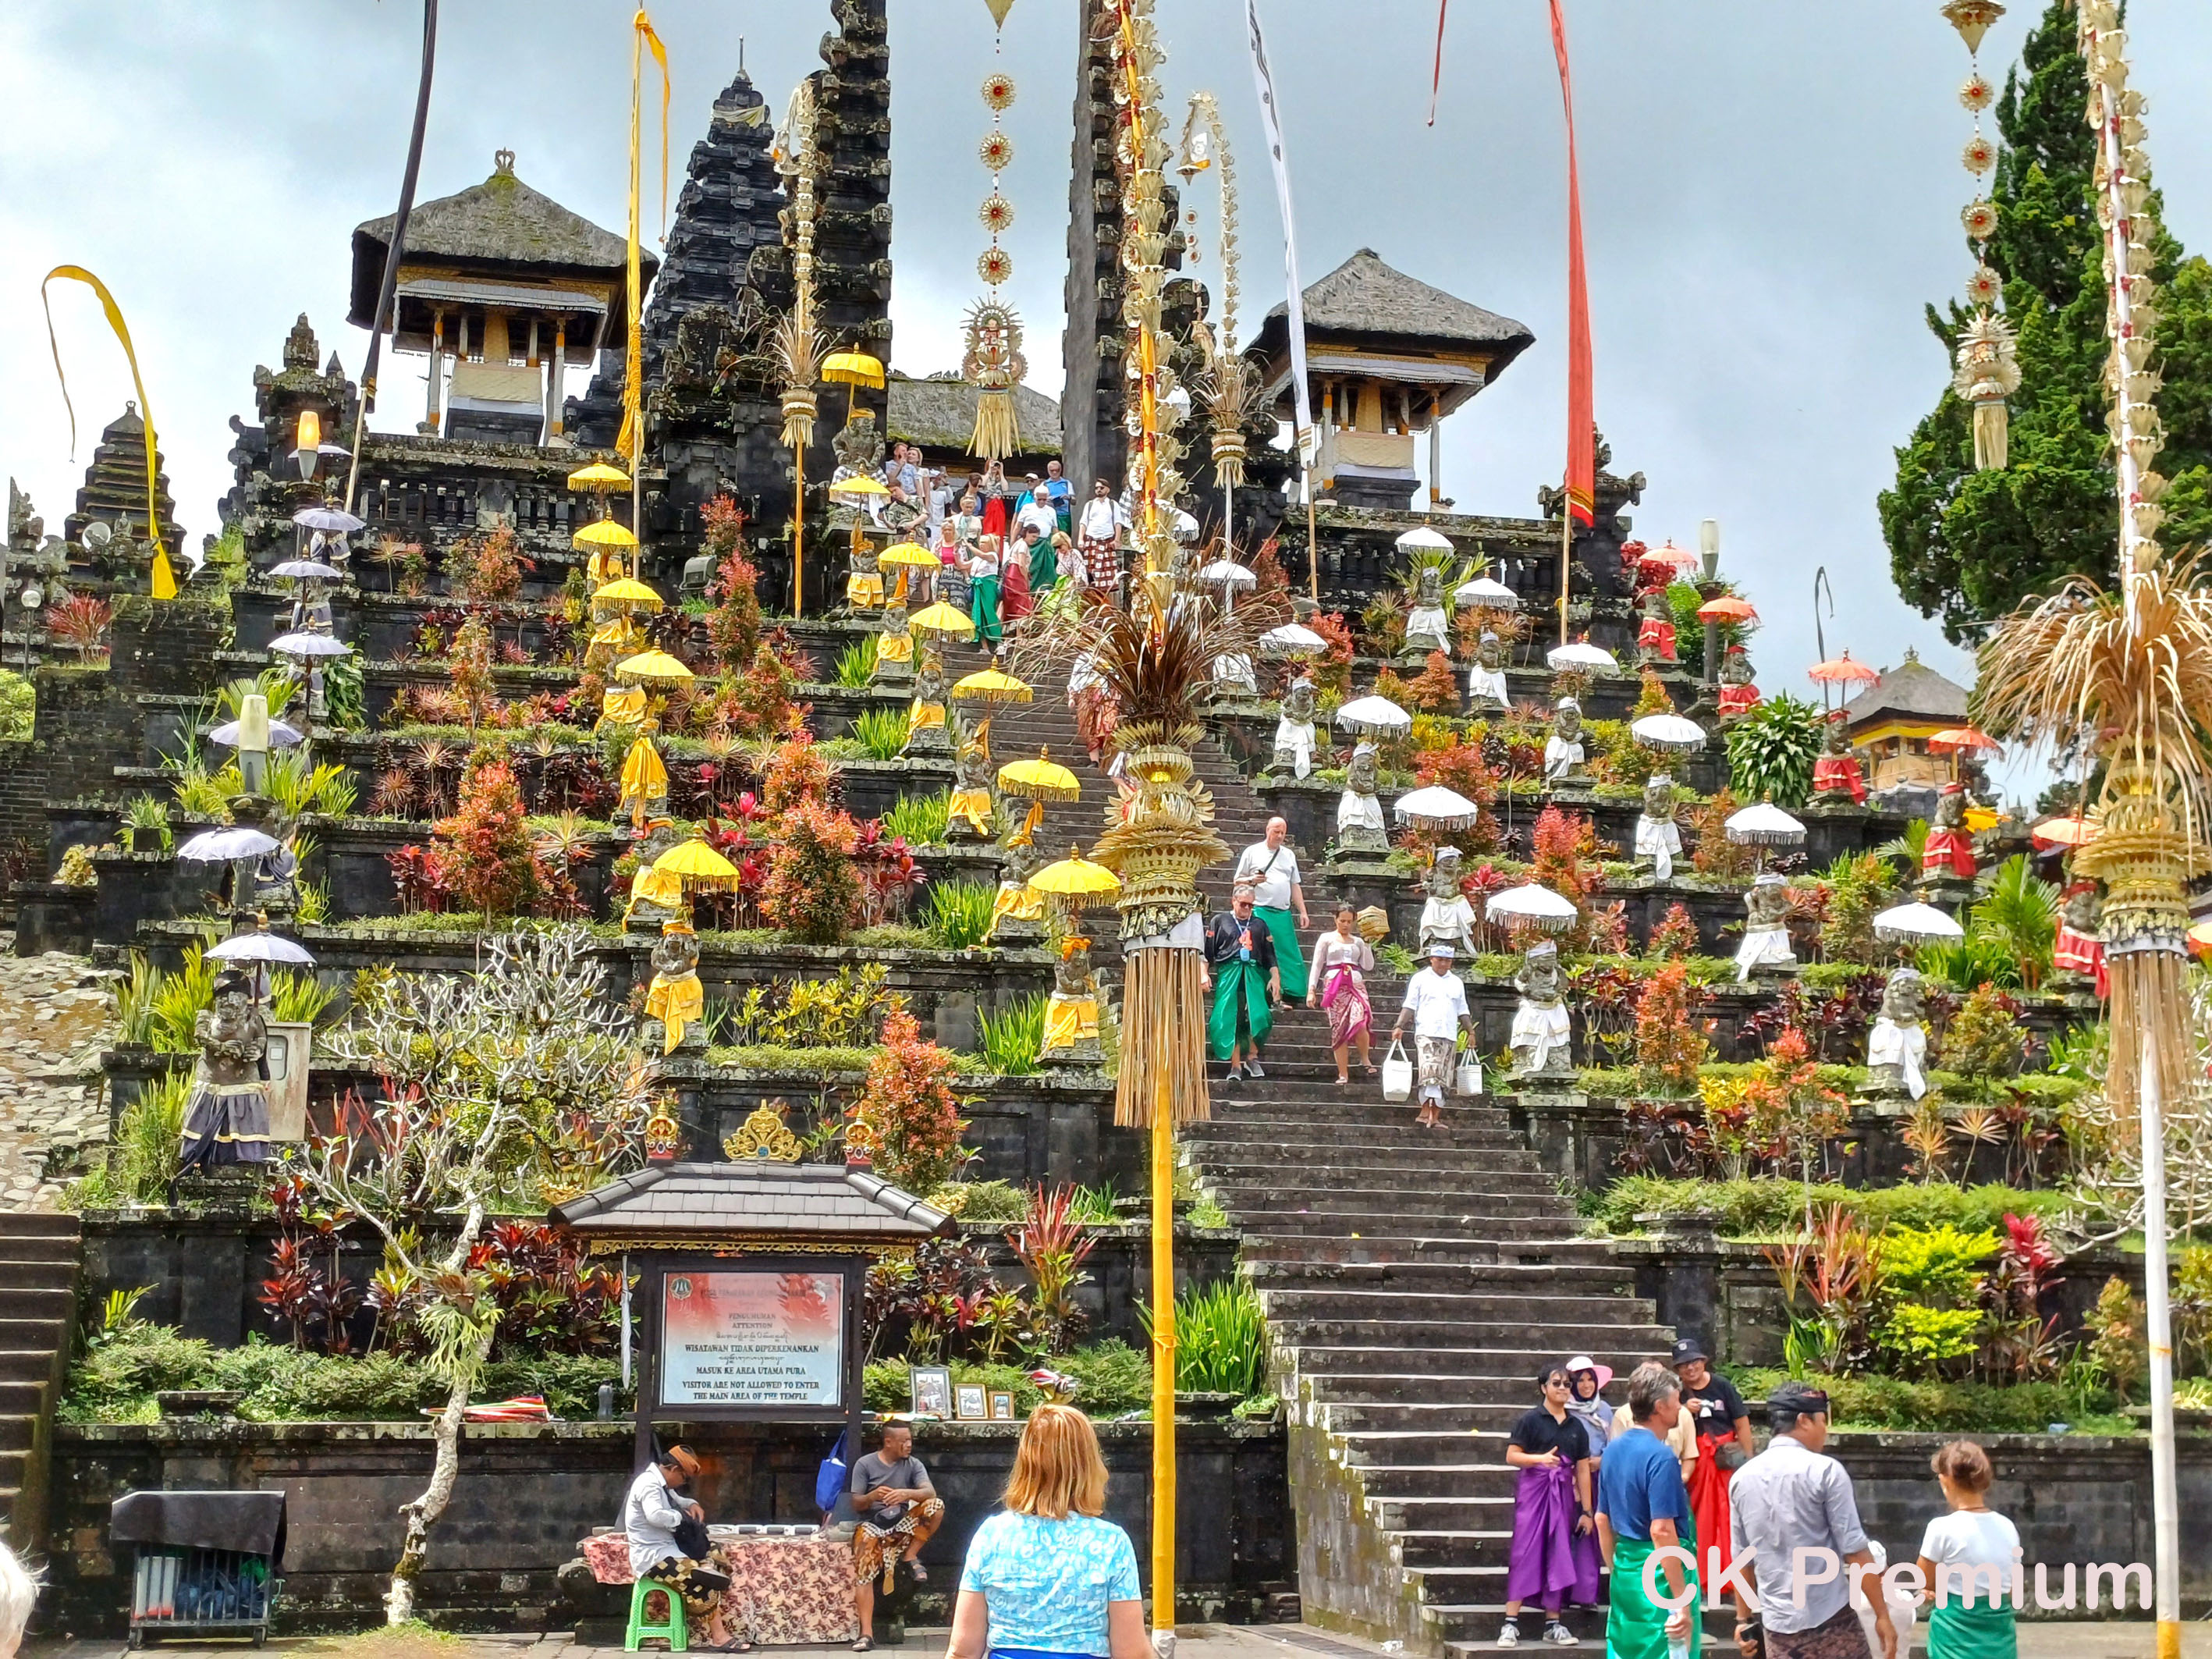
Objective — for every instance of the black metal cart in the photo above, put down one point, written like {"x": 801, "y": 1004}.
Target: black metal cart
{"x": 208, "y": 1562}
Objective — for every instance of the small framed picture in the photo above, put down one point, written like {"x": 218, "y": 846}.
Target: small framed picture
{"x": 932, "y": 1386}
{"x": 1002, "y": 1406}
{"x": 975, "y": 1407}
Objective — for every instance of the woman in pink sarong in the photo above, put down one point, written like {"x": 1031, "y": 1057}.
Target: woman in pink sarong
{"x": 1342, "y": 960}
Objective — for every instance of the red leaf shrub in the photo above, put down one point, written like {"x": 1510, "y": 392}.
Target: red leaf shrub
{"x": 797, "y": 771}
{"x": 813, "y": 891}
{"x": 908, "y": 1120}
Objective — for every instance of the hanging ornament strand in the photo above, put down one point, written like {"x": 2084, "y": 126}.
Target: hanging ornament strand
{"x": 1229, "y": 376}
{"x": 1988, "y": 369}
{"x": 797, "y": 342}
{"x": 993, "y": 361}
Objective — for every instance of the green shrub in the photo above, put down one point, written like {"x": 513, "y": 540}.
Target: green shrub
{"x": 1882, "y": 1403}
{"x": 881, "y": 733}
{"x": 1934, "y": 1265}
{"x": 982, "y": 1201}
{"x": 958, "y": 916}
{"x": 921, "y": 819}
{"x": 178, "y": 999}
{"x": 1221, "y": 1340}
{"x": 19, "y": 705}
{"x": 1013, "y": 1040}
{"x": 298, "y": 998}
{"x": 1748, "y": 1208}
{"x": 856, "y": 663}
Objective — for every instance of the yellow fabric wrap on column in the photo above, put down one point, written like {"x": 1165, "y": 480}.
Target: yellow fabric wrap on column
{"x": 1015, "y": 899}
{"x": 623, "y": 705}
{"x": 924, "y": 715}
{"x": 676, "y": 1004}
{"x": 974, "y": 805}
{"x": 863, "y": 591}
{"x": 894, "y": 647}
{"x": 650, "y": 886}
{"x": 643, "y": 777}
{"x": 1069, "y": 1021}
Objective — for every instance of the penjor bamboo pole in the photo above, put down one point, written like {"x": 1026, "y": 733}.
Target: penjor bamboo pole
{"x": 1163, "y": 1358}
{"x": 2159, "y": 1328}
{"x": 1566, "y": 557}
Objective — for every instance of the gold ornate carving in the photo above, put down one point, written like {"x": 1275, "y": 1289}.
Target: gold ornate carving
{"x": 764, "y": 1136}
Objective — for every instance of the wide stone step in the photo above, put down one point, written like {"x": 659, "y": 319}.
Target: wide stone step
{"x": 1473, "y": 1366}
{"x": 1496, "y": 1200}
{"x": 1413, "y": 1514}
{"x": 23, "y": 1399}
{"x": 1413, "y": 1385}
{"x": 1473, "y": 1171}
{"x": 26, "y": 1364}
{"x": 1383, "y": 1249}
{"x": 15, "y": 1432}
{"x": 1506, "y": 1309}
{"x": 40, "y": 1304}
{"x": 37, "y": 1275}
{"x": 1292, "y": 1132}
{"x": 1428, "y": 1551}
{"x": 1514, "y": 1279}
{"x": 1600, "y": 1339}
{"x": 1396, "y": 1224}
{"x": 1432, "y": 1417}
{"x": 38, "y": 1224}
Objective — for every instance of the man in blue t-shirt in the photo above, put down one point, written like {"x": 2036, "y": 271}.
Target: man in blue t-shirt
{"x": 1642, "y": 1507}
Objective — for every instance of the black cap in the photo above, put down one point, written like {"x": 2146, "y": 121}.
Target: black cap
{"x": 1690, "y": 1348}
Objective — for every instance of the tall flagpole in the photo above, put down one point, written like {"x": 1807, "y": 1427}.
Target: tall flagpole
{"x": 1302, "y": 432}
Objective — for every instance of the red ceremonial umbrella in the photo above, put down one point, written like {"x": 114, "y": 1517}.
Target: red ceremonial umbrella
{"x": 1965, "y": 737}
{"x": 1727, "y": 608}
{"x": 1845, "y": 670}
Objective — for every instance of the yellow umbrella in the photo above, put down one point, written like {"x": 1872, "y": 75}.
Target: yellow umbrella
{"x": 859, "y": 484}
{"x": 853, "y": 368}
{"x": 909, "y": 553}
{"x": 698, "y": 864}
{"x": 598, "y": 477}
{"x": 649, "y": 667}
{"x": 991, "y": 685}
{"x": 626, "y": 593}
{"x": 1041, "y": 779}
{"x": 605, "y": 532}
{"x": 942, "y": 619}
{"x": 1076, "y": 879}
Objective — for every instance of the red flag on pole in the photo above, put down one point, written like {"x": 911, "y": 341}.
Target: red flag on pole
{"x": 1582, "y": 427}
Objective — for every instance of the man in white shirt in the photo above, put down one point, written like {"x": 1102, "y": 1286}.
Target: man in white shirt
{"x": 1273, "y": 869}
{"x": 652, "y": 1510}
{"x": 1436, "y": 1001}
{"x": 1035, "y": 511}
{"x": 1099, "y": 535}
{"x": 1792, "y": 1497}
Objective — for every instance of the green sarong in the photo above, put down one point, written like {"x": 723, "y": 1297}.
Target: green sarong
{"x": 1045, "y": 567}
{"x": 1955, "y": 1632}
{"x": 1238, "y": 985}
{"x": 1290, "y": 960}
{"x": 1635, "y": 1625}
{"x": 983, "y": 608}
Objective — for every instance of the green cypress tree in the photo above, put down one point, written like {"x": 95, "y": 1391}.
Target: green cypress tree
{"x": 1969, "y": 545}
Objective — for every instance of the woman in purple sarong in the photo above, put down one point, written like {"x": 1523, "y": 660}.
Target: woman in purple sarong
{"x": 1555, "y": 1559}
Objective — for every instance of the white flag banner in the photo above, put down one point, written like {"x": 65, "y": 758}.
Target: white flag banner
{"x": 1263, "y": 82}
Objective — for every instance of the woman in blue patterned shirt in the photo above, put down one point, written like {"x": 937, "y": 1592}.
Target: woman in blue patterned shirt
{"x": 1046, "y": 1577}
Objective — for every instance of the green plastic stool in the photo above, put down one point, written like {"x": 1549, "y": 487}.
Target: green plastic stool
{"x": 640, "y": 1630}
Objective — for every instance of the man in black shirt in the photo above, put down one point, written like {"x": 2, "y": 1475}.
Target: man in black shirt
{"x": 1710, "y": 1398}
{"x": 1241, "y": 972}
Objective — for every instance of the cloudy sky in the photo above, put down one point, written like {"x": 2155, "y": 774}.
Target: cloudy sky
{"x": 1770, "y": 196}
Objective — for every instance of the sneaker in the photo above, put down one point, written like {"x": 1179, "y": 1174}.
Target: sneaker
{"x": 1236, "y": 1075}
{"x": 1558, "y": 1635}
{"x": 1252, "y": 1068}
{"x": 1508, "y": 1635}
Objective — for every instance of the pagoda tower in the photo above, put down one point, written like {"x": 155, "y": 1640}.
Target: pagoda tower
{"x": 114, "y": 493}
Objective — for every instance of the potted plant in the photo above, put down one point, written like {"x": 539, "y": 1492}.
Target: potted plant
{"x": 146, "y": 820}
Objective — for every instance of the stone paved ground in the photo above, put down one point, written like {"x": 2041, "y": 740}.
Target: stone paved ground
{"x": 55, "y": 1019}
{"x": 2113, "y": 1640}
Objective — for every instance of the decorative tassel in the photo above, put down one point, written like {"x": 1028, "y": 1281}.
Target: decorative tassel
{"x": 1991, "y": 427}
{"x": 798, "y": 412}
{"x": 1988, "y": 373}
{"x": 994, "y": 364}
{"x": 998, "y": 435}
{"x": 1163, "y": 1002}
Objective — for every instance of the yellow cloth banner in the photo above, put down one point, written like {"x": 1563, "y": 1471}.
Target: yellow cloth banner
{"x": 630, "y": 443}
{"x": 163, "y": 579}
{"x": 1017, "y": 900}
{"x": 675, "y": 1004}
{"x": 1068, "y": 1021}
{"x": 643, "y": 778}
{"x": 650, "y": 886}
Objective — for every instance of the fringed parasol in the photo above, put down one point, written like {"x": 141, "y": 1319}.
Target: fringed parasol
{"x": 1077, "y": 882}
{"x": 1915, "y": 924}
{"x": 1582, "y": 654}
{"x": 652, "y": 668}
{"x": 1292, "y": 639}
{"x": 599, "y": 478}
{"x": 1374, "y": 717}
{"x": 1726, "y": 608}
{"x": 1041, "y": 779}
{"x": 1763, "y": 824}
{"x": 1422, "y": 539}
{"x": 993, "y": 685}
{"x": 1668, "y": 732}
{"x": 604, "y": 532}
{"x": 1531, "y": 905}
{"x": 942, "y": 619}
{"x": 1438, "y": 808}
{"x": 626, "y": 593}
{"x": 1484, "y": 594}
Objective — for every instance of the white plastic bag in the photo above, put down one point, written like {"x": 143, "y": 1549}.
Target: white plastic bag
{"x": 1397, "y": 1073}
{"x": 1469, "y": 1080}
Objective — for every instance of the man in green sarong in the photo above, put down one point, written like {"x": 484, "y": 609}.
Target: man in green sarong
{"x": 1240, "y": 968}
{"x": 1273, "y": 869}
{"x": 1644, "y": 1508}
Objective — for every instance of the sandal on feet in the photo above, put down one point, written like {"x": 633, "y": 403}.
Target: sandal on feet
{"x": 866, "y": 1644}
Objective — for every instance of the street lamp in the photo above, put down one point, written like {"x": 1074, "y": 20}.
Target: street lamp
{"x": 1709, "y": 557}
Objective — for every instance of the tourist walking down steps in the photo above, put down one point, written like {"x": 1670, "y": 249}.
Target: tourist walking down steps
{"x": 1273, "y": 869}
{"x": 1436, "y": 1001}
{"x": 1241, "y": 972}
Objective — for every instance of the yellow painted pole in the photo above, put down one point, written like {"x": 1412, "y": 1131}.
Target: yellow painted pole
{"x": 1163, "y": 1361}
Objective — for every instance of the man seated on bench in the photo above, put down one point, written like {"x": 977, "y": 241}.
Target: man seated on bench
{"x": 898, "y": 1509}
{"x": 668, "y": 1544}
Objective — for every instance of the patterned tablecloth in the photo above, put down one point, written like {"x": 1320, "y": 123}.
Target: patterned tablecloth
{"x": 782, "y": 1589}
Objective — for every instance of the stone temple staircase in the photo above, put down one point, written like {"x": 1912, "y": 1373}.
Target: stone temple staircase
{"x": 1414, "y": 1279}
{"x": 39, "y": 1263}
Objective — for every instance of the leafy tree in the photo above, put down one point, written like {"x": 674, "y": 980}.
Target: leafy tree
{"x": 1969, "y": 545}
{"x": 484, "y": 852}
{"x": 907, "y": 1117}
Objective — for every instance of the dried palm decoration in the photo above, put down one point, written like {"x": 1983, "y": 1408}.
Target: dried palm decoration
{"x": 993, "y": 361}
{"x": 1988, "y": 369}
{"x": 796, "y": 342}
{"x": 1229, "y": 388}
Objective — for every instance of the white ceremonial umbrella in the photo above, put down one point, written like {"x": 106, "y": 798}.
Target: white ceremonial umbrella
{"x": 223, "y": 845}
{"x": 1487, "y": 595}
{"x": 1763, "y": 825}
{"x": 1374, "y": 716}
{"x": 1421, "y": 538}
{"x": 1915, "y": 924}
{"x": 261, "y": 946}
{"x": 309, "y": 645}
{"x": 327, "y": 519}
{"x": 302, "y": 570}
{"x": 1438, "y": 807}
{"x": 1533, "y": 905}
{"x": 1292, "y": 639}
{"x": 1668, "y": 732}
{"x": 281, "y": 735}
{"x": 1227, "y": 573}
{"x": 1582, "y": 654}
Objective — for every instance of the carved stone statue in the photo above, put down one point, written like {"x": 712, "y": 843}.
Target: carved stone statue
{"x": 1543, "y": 1044}
{"x": 266, "y": 883}
{"x": 676, "y": 1000}
{"x": 226, "y": 1114}
{"x": 2079, "y": 957}
{"x": 1658, "y": 838}
{"x": 974, "y": 794}
{"x": 656, "y": 896}
{"x": 1428, "y": 625}
{"x": 925, "y": 734}
{"x": 1948, "y": 853}
{"x": 1294, "y": 730}
{"x": 859, "y": 451}
{"x": 1447, "y": 916}
{"x": 1563, "y": 751}
{"x": 1654, "y": 634}
{"x": 864, "y": 586}
{"x": 1485, "y": 679}
{"x": 1837, "y": 777}
{"x": 1766, "y": 930}
{"x": 1017, "y": 915}
{"x": 894, "y": 649}
{"x": 1360, "y": 826}
{"x": 1071, "y": 1015}
{"x": 1896, "y": 1048}
{"x": 1739, "y": 696}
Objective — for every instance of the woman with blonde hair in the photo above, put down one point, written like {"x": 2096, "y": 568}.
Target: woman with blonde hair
{"x": 19, "y": 1593}
{"x": 1046, "y": 1576}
